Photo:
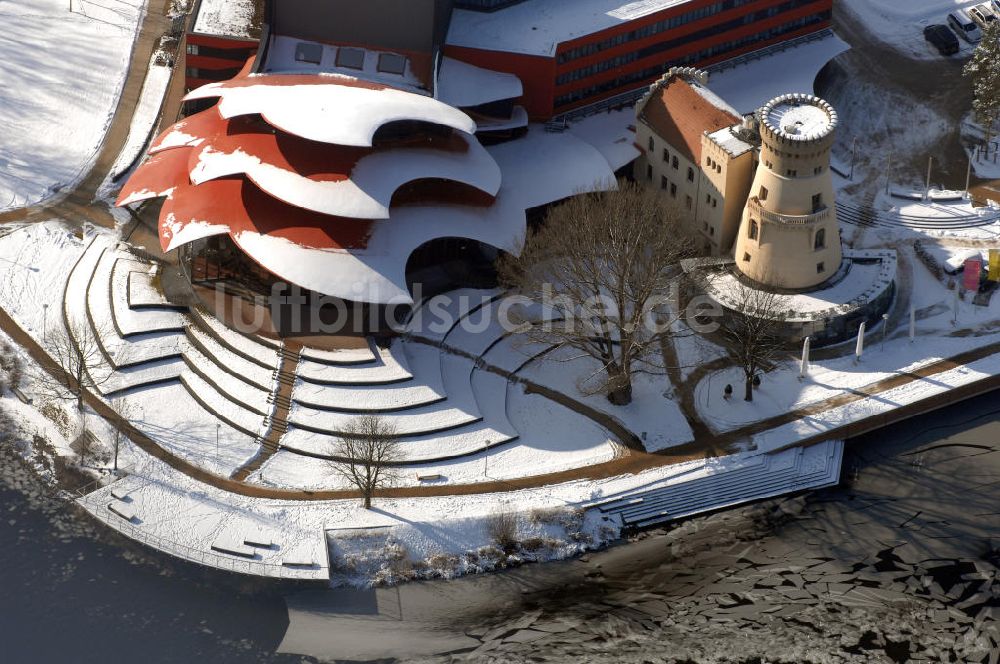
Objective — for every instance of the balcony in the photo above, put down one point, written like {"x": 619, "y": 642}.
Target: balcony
{"x": 757, "y": 210}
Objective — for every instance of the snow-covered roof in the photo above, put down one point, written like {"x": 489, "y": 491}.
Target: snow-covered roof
{"x": 728, "y": 140}
{"x": 236, "y": 19}
{"x": 750, "y": 85}
{"x": 329, "y": 108}
{"x": 799, "y": 117}
{"x": 537, "y": 27}
{"x": 463, "y": 85}
{"x": 367, "y": 192}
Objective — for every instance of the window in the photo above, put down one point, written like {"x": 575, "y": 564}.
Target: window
{"x": 715, "y": 202}
{"x": 746, "y": 258}
{"x": 820, "y": 268}
{"x": 351, "y": 58}
{"x": 649, "y": 172}
{"x": 820, "y": 241}
{"x": 674, "y": 162}
{"x": 311, "y": 53}
{"x": 391, "y": 63}
{"x": 754, "y": 229}
{"x": 817, "y": 203}
{"x": 718, "y": 168}
{"x": 673, "y": 190}
{"x": 688, "y": 203}
{"x": 817, "y": 170}
{"x": 690, "y": 174}
{"x": 664, "y": 182}
{"x": 708, "y": 161}
{"x": 763, "y": 194}
{"x": 791, "y": 173}
{"x": 708, "y": 199}
{"x": 652, "y": 144}
{"x": 711, "y": 231}
{"x": 666, "y": 155}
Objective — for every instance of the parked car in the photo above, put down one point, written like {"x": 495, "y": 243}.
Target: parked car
{"x": 941, "y": 38}
{"x": 982, "y": 15}
{"x": 965, "y": 27}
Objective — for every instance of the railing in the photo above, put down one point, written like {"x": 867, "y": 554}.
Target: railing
{"x": 209, "y": 558}
{"x": 756, "y": 209}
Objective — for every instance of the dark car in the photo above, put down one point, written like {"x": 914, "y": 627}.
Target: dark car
{"x": 943, "y": 39}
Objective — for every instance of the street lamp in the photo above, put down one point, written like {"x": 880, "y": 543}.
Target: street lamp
{"x": 45, "y": 319}
{"x": 486, "y": 460}
{"x": 218, "y": 428}
{"x": 885, "y": 327}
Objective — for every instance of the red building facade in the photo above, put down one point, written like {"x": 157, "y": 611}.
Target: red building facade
{"x": 631, "y": 55}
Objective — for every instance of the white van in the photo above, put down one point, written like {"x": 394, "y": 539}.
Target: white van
{"x": 966, "y": 28}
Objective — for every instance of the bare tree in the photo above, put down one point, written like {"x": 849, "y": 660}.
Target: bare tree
{"x": 750, "y": 324}
{"x": 603, "y": 266}
{"x": 78, "y": 363}
{"x": 365, "y": 456}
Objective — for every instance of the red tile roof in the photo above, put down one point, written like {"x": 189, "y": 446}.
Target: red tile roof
{"x": 680, "y": 114}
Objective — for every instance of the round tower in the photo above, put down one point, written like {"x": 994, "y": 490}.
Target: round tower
{"x": 789, "y": 237}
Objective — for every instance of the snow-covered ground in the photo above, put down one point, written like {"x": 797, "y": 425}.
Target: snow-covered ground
{"x": 61, "y": 75}
{"x": 146, "y": 114}
{"x": 653, "y": 414}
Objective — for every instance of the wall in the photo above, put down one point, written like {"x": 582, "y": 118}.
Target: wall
{"x": 652, "y": 171}
{"x": 406, "y": 25}
{"x": 537, "y": 74}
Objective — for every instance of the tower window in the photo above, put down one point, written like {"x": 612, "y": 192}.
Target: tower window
{"x": 817, "y": 201}
{"x": 820, "y": 241}
{"x": 763, "y": 194}
{"x": 746, "y": 258}
{"x": 754, "y": 229}
{"x": 820, "y": 268}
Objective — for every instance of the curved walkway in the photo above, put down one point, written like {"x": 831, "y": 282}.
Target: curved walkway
{"x": 633, "y": 463}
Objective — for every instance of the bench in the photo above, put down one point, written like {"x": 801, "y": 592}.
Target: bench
{"x": 259, "y": 539}
{"x": 430, "y": 478}
{"x": 233, "y": 549}
{"x": 120, "y": 494}
{"x": 123, "y": 510}
{"x": 298, "y": 561}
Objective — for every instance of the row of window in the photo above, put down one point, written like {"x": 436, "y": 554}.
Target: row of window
{"x": 651, "y": 29}
{"x": 659, "y": 47}
{"x": 667, "y": 159}
{"x": 667, "y": 185}
{"x": 714, "y": 165}
{"x": 692, "y": 58}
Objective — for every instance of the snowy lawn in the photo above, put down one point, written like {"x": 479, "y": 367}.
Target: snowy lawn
{"x": 61, "y": 76}
{"x": 653, "y": 414}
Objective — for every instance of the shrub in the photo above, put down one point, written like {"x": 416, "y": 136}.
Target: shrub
{"x": 502, "y": 527}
